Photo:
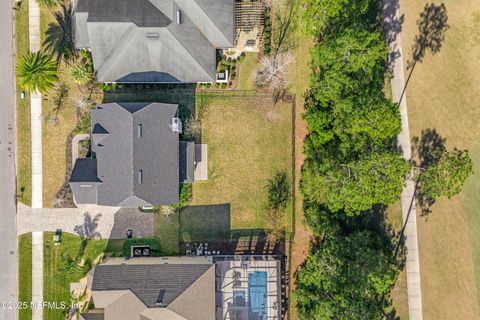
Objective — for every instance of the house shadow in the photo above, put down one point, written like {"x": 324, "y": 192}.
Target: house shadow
{"x": 209, "y": 226}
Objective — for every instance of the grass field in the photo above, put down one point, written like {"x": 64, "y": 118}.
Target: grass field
{"x": 58, "y": 276}
{"x": 24, "y": 176}
{"x": 443, "y": 94}
{"x": 245, "y": 149}
{"x": 25, "y": 272}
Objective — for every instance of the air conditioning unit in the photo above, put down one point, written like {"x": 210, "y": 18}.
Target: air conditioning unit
{"x": 176, "y": 125}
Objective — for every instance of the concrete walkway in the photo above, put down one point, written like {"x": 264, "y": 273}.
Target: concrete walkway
{"x": 35, "y": 110}
{"x": 112, "y": 223}
{"x": 393, "y": 32}
{"x": 37, "y": 275}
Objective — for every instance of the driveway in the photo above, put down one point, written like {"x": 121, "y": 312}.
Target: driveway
{"x": 112, "y": 223}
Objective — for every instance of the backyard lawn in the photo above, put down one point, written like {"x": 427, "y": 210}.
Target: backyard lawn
{"x": 248, "y": 67}
{"x": 245, "y": 149}
{"x": 25, "y": 272}
{"x": 167, "y": 231}
{"x": 443, "y": 94}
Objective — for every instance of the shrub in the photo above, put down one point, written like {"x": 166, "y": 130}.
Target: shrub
{"x": 224, "y": 86}
{"x": 184, "y": 195}
{"x": 153, "y": 243}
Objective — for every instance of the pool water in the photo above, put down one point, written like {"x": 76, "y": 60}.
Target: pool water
{"x": 257, "y": 292}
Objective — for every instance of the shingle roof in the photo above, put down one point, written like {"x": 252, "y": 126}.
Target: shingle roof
{"x": 141, "y": 12}
{"x": 156, "y": 285}
{"x": 136, "y": 41}
{"x": 137, "y": 157}
{"x": 123, "y": 154}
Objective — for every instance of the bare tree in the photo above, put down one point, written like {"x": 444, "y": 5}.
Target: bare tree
{"x": 273, "y": 71}
{"x": 193, "y": 128}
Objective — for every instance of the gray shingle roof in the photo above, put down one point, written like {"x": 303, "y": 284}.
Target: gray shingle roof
{"x": 137, "y": 157}
{"x": 141, "y": 12}
{"x": 137, "y": 41}
{"x": 92, "y": 316}
{"x": 156, "y": 285}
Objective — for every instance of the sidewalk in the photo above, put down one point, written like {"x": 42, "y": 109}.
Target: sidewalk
{"x": 393, "y": 30}
{"x": 35, "y": 110}
{"x": 37, "y": 274}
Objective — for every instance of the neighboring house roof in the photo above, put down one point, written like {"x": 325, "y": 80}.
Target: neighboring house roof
{"x": 137, "y": 157}
{"x": 155, "y": 291}
{"x": 141, "y": 41}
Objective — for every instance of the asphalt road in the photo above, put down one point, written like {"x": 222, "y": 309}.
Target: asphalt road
{"x": 8, "y": 240}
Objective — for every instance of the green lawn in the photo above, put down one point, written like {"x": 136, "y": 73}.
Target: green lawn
{"x": 58, "y": 276}
{"x": 245, "y": 149}
{"x": 167, "y": 231}
{"x": 443, "y": 94}
{"x": 24, "y": 176}
{"x": 248, "y": 71}
{"x": 25, "y": 274}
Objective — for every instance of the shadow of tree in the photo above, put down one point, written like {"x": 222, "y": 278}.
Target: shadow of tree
{"x": 59, "y": 35}
{"x": 428, "y": 149}
{"x": 392, "y": 26}
{"x": 88, "y": 228}
{"x": 432, "y": 26}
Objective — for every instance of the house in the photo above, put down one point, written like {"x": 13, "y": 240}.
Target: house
{"x": 143, "y": 41}
{"x": 137, "y": 158}
{"x": 186, "y": 288}
{"x": 177, "y": 288}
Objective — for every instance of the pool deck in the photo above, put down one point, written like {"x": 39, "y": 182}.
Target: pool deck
{"x": 235, "y": 277}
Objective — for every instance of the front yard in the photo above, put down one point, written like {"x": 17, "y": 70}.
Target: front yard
{"x": 248, "y": 141}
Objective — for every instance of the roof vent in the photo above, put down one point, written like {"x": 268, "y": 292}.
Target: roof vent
{"x": 179, "y": 17}
{"x": 176, "y": 125}
{"x": 153, "y": 35}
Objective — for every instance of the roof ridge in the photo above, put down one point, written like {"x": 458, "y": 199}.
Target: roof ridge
{"x": 107, "y": 62}
{"x": 189, "y": 53}
{"x": 191, "y": 284}
{"x": 210, "y": 20}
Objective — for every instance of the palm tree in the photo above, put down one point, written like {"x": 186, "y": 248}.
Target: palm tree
{"x": 36, "y": 72}
{"x": 80, "y": 74}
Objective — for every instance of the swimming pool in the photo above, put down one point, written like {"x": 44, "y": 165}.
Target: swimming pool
{"x": 257, "y": 293}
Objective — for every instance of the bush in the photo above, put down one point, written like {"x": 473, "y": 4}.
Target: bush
{"x": 224, "y": 86}
{"x": 209, "y": 85}
{"x": 184, "y": 195}
{"x": 153, "y": 243}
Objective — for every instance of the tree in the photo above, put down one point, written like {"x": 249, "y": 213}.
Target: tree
{"x": 320, "y": 15}
{"x": 347, "y": 277}
{"x": 36, "y": 72}
{"x": 80, "y": 74}
{"x": 447, "y": 176}
{"x": 272, "y": 72}
{"x": 357, "y": 185}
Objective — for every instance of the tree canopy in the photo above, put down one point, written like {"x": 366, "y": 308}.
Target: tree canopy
{"x": 36, "y": 71}
{"x": 446, "y": 176}
{"x": 346, "y": 277}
